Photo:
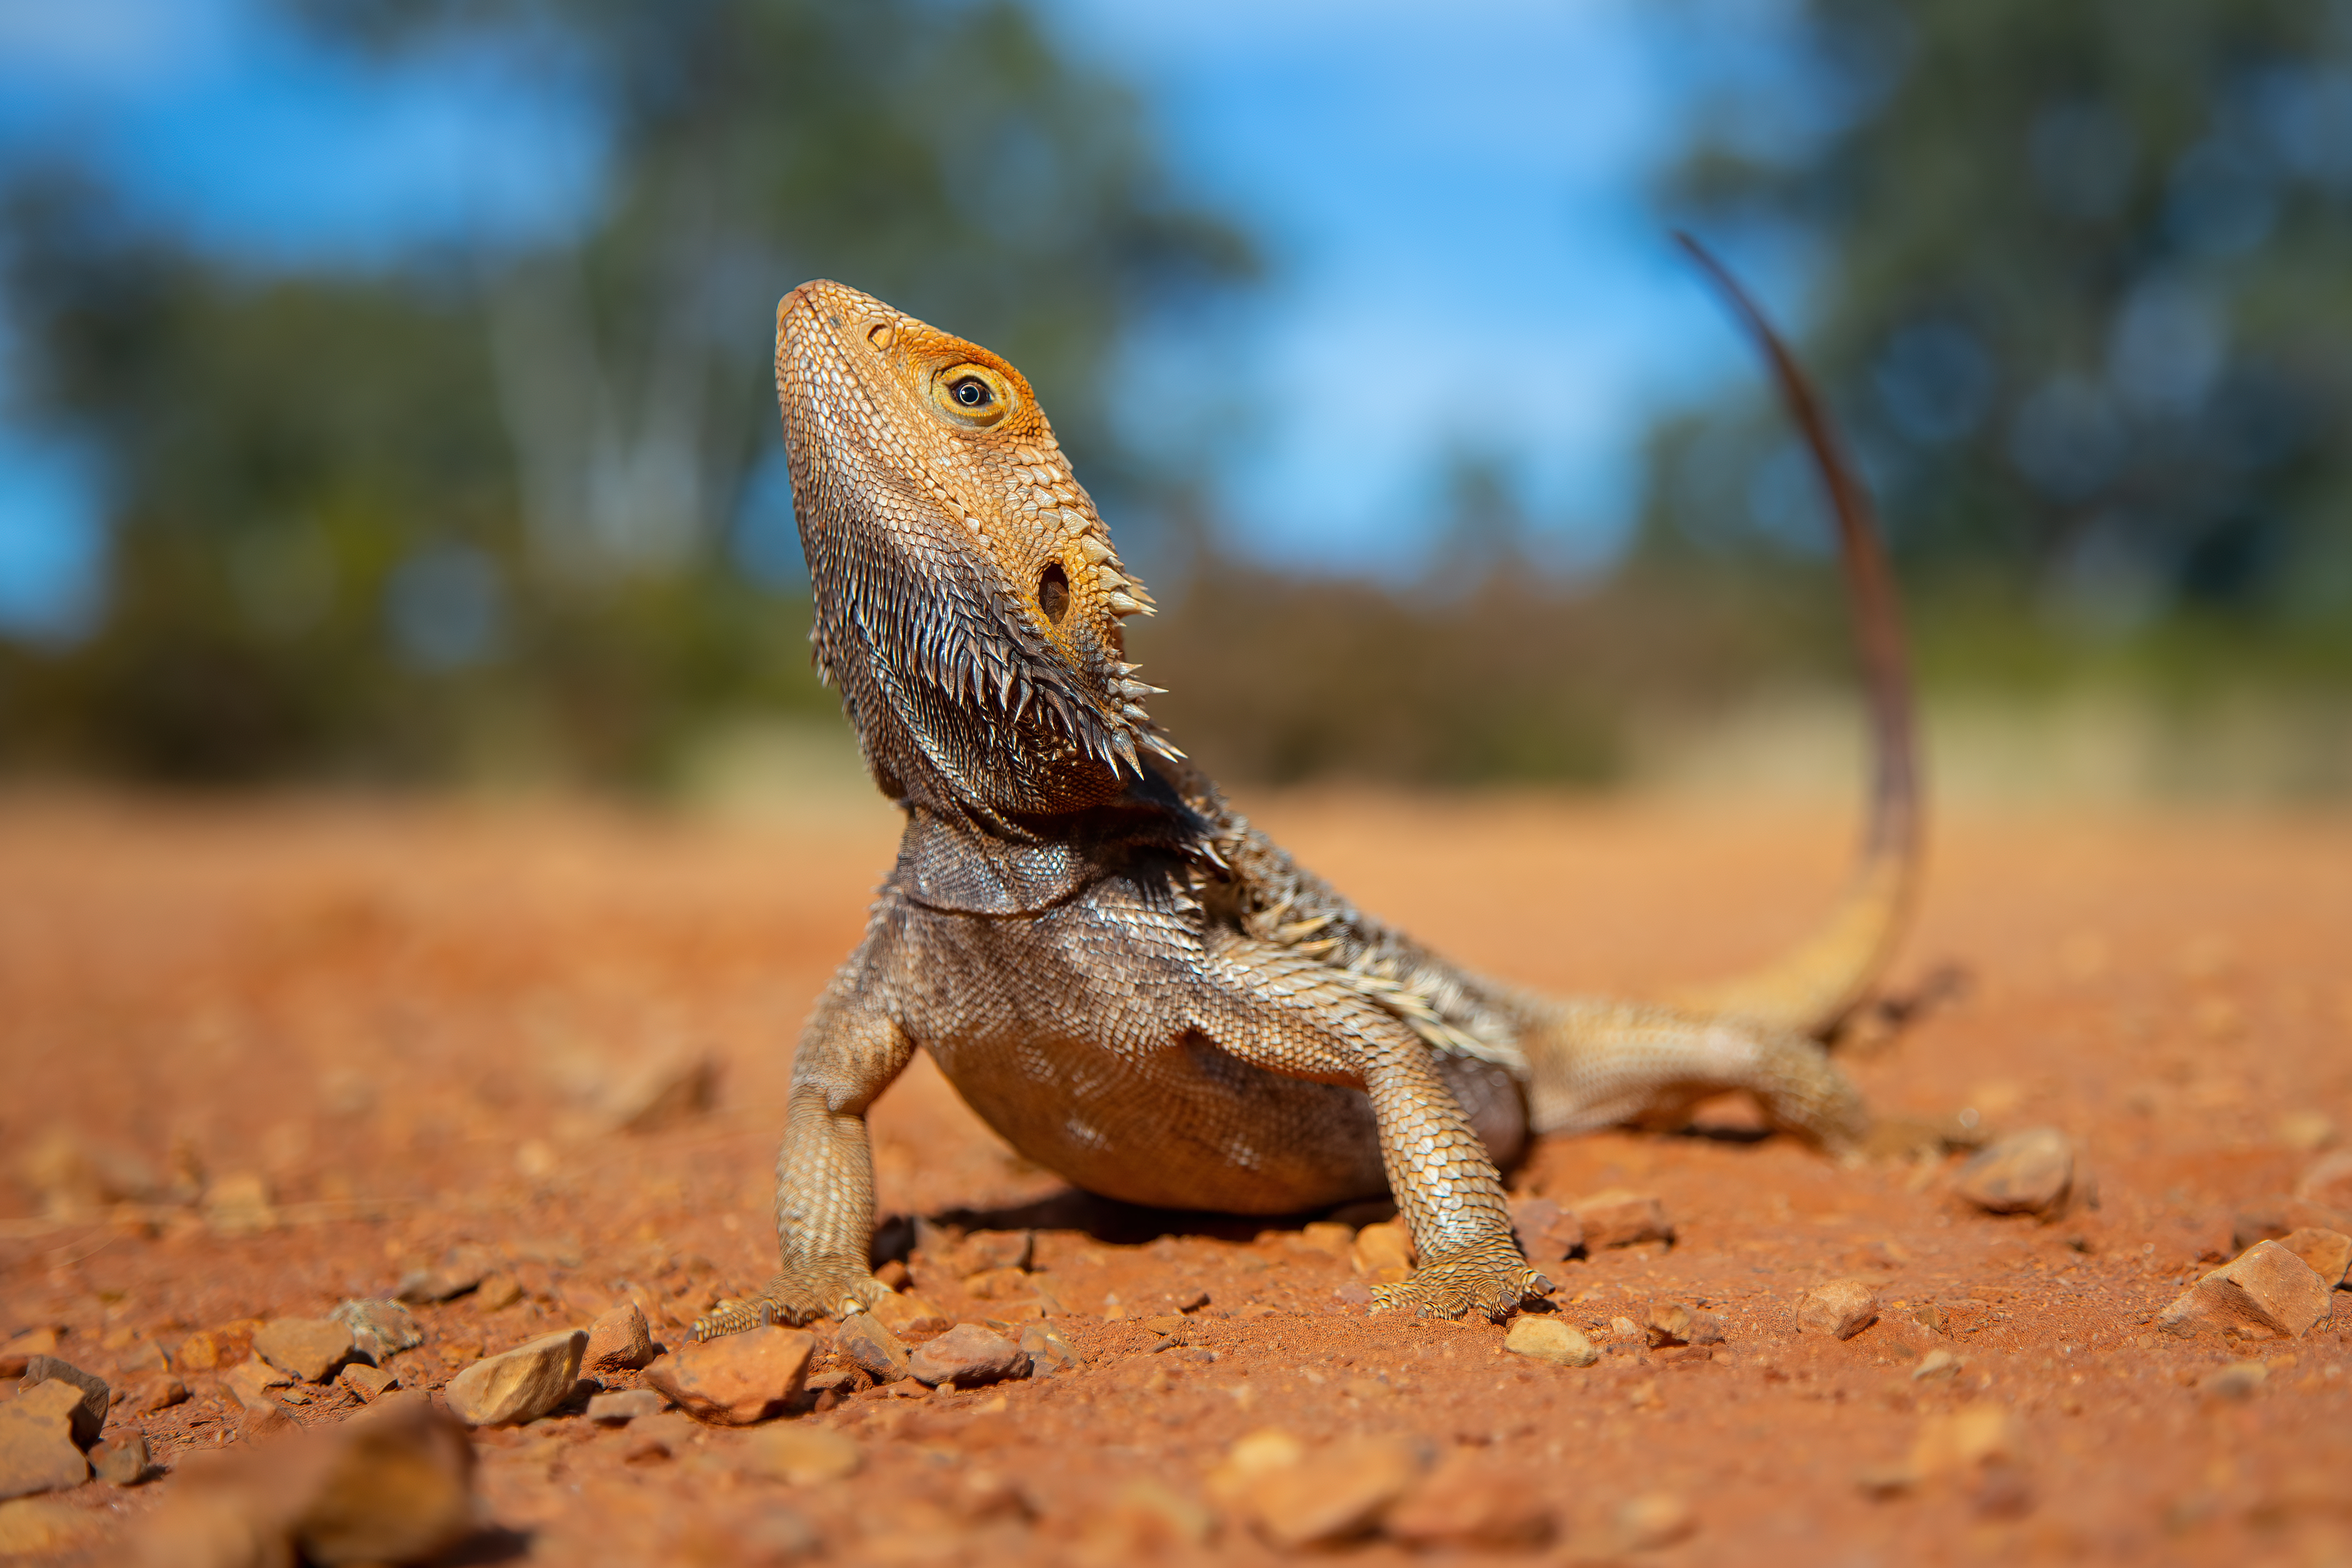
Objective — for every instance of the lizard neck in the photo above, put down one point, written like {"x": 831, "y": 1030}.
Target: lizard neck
{"x": 960, "y": 861}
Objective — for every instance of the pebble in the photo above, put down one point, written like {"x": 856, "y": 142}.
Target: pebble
{"x": 309, "y": 1348}
{"x": 93, "y": 1397}
{"x": 1469, "y": 1504}
{"x": 214, "y": 1348}
{"x": 32, "y": 1525}
{"x": 1382, "y": 1252}
{"x": 1936, "y": 1363}
{"x": 239, "y": 1204}
{"x": 1672, "y": 1323}
{"x": 498, "y": 1292}
{"x": 736, "y": 1380}
{"x": 1550, "y": 1340}
{"x": 1333, "y": 1494}
{"x": 1328, "y": 1237}
{"x": 1547, "y": 1234}
{"x": 1654, "y": 1519}
{"x": 998, "y": 1284}
{"x": 863, "y": 1342}
{"x": 17, "y": 1352}
{"x": 369, "y": 1383}
{"x": 1618, "y": 1218}
{"x": 123, "y": 1460}
{"x": 38, "y": 1449}
{"x": 2265, "y": 1291}
{"x": 983, "y": 1250}
{"x": 157, "y": 1391}
{"x": 1840, "y": 1307}
{"x": 623, "y": 1406}
{"x": 2028, "y": 1172}
{"x": 2329, "y": 1183}
{"x": 394, "y": 1484}
{"x": 1966, "y": 1439}
{"x": 618, "y": 1340}
{"x": 1049, "y": 1350}
{"x": 662, "y": 1092}
{"x": 803, "y": 1455}
{"x": 520, "y": 1384}
{"x": 2328, "y": 1252}
{"x": 968, "y": 1357}
{"x": 463, "y": 1269}
{"x": 910, "y": 1316}
{"x": 250, "y": 1381}
{"x": 2239, "y": 1380}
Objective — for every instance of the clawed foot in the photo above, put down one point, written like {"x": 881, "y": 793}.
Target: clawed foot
{"x": 1492, "y": 1281}
{"x": 795, "y": 1298}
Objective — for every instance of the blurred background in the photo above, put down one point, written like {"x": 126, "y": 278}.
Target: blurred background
{"x": 385, "y": 389}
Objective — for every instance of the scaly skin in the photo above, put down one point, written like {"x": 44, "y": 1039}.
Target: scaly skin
{"x": 1133, "y": 985}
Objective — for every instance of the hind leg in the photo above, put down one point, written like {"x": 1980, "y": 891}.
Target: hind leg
{"x": 1605, "y": 1064}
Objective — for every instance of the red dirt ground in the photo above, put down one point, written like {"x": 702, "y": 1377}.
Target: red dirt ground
{"x": 410, "y": 1023}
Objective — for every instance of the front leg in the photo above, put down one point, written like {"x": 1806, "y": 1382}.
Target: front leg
{"x": 1283, "y": 1012}
{"x": 851, "y": 1051}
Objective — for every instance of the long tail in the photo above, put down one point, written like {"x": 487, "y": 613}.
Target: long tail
{"x": 1812, "y": 989}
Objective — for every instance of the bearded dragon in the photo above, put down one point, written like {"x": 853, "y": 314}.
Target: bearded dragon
{"x": 1131, "y": 984}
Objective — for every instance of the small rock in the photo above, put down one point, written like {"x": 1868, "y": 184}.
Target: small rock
{"x": 239, "y": 1204}
{"x": 1331, "y": 1495}
{"x": 309, "y": 1348}
{"x": 910, "y": 1316}
{"x": 520, "y": 1384}
{"x": 1934, "y": 1365}
{"x": 137, "y": 1356}
{"x": 619, "y": 1341}
{"x": 369, "y": 1383}
{"x": 1654, "y": 1519}
{"x": 38, "y": 1449}
{"x": 968, "y": 1357}
{"x": 803, "y": 1455}
{"x": 866, "y": 1343}
{"x": 18, "y": 1352}
{"x": 249, "y": 1381}
{"x": 997, "y": 1284}
{"x": 984, "y": 1250}
{"x": 214, "y": 1348}
{"x": 156, "y": 1391}
{"x": 2028, "y": 1172}
{"x": 1968, "y": 1440}
{"x": 1673, "y": 1323}
{"x": 623, "y": 1406}
{"x": 93, "y": 1397}
{"x": 2328, "y": 1252}
{"x": 1468, "y": 1503}
{"x": 1049, "y": 1349}
{"x": 2265, "y": 1291}
{"x": 1840, "y": 1307}
{"x": 2239, "y": 1380}
{"x": 662, "y": 1092}
{"x": 739, "y": 1379}
{"x": 2329, "y": 1183}
{"x": 1620, "y": 1218}
{"x": 1547, "y": 1234}
{"x": 2305, "y": 1132}
{"x": 1145, "y": 1522}
{"x": 121, "y": 1461}
{"x": 463, "y": 1269}
{"x": 1328, "y": 1237}
{"x": 394, "y": 1484}
{"x": 380, "y": 1329}
{"x": 1382, "y": 1252}
{"x": 31, "y": 1526}
{"x": 1550, "y": 1340}
{"x": 498, "y": 1292}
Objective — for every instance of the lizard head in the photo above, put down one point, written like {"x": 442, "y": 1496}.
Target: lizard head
{"x": 969, "y": 602}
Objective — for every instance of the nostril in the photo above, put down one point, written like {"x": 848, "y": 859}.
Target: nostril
{"x": 1054, "y": 593}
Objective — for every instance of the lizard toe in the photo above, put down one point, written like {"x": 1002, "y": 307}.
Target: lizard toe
{"x": 1491, "y": 1282}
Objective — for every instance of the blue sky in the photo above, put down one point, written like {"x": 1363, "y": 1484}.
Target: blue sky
{"x": 1454, "y": 196}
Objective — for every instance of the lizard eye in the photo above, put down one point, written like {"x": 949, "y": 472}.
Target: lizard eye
{"x": 971, "y": 394}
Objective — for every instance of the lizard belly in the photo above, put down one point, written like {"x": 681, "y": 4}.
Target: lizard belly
{"x": 1061, "y": 1031}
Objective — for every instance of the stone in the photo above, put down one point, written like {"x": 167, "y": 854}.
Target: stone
{"x": 662, "y": 1091}
{"x": 1547, "y": 1339}
{"x": 803, "y": 1455}
{"x": 623, "y": 1406}
{"x": 1936, "y": 1364}
{"x": 1618, "y": 1218}
{"x": 2307, "y": 1131}
{"x": 1145, "y": 1522}
{"x": 1328, "y": 1237}
{"x": 2267, "y": 1291}
{"x": 737, "y": 1379}
{"x": 17, "y": 1352}
{"x": 865, "y": 1343}
{"x": 2028, "y": 1172}
{"x": 1049, "y": 1350}
{"x": 239, "y": 1204}
{"x": 123, "y": 1460}
{"x": 1333, "y": 1494}
{"x": 462, "y": 1270}
{"x": 498, "y": 1292}
{"x": 93, "y": 1397}
{"x": 520, "y": 1384}
{"x": 1673, "y": 1323}
{"x": 31, "y": 1526}
{"x": 998, "y": 1284}
{"x": 910, "y": 1316}
{"x": 2239, "y": 1380}
{"x": 619, "y": 1341}
{"x": 2328, "y": 1183}
{"x": 1382, "y": 1252}
{"x": 137, "y": 1354}
{"x": 394, "y": 1484}
{"x": 1469, "y": 1504}
{"x": 1547, "y": 1234}
{"x": 1656, "y": 1519}
{"x": 2329, "y": 1253}
{"x": 156, "y": 1391}
{"x": 311, "y": 1349}
{"x": 1958, "y": 1442}
{"x": 968, "y": 1357}
{"x": 984, "y": 1250}
{"x": 1838, "y": 1308}
{"x": 369, "y": 1383}
{"x": 38, "y": 1451}
{"x": 213, "y": 1349}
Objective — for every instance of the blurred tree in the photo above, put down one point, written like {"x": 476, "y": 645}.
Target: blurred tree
{"x": 2085, "y": 301}
{"x": 421, "y": 520}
